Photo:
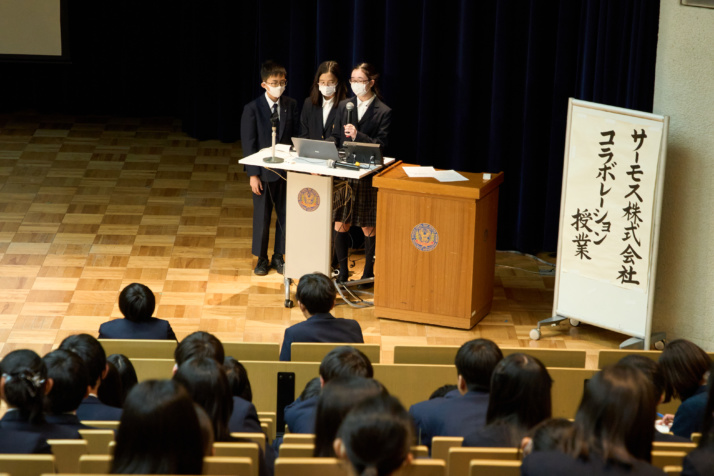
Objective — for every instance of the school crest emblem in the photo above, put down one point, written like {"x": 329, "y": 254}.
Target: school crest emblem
{"x": 309, "y": 199}
{"x": 425, "y": 237}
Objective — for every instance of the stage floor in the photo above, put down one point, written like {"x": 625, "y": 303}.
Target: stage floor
{"x": 89, "y": 205}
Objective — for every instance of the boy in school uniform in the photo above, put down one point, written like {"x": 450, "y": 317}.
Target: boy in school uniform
{"x": 268, "y": 186}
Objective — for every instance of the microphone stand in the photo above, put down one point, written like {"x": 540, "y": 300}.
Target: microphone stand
{"x": 272, "y": 159}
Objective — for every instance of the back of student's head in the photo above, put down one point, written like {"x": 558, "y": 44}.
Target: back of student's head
{"x": 475, "y": 361}
{"x": 24, "y": 380}
{"x": 442, "y": 391}
{"x": 649, "y": 368}
{"x": 520, "y": 394}
{"x": 553, "y": 434}
{"x": 338, "y": 397}
{"x": 199, "y": 344}
{"x": 316, "y": 292}
{"x": 376, "y": 436}
{"x": 345, "y": 361}
{"x": 127, "y": 373}
{"x": 70, "y": 380}
{"x": 159, "y": 432}
{"x": 137, "y": 302}
{"x": 271, "y": 68}
{"x": 120, "y": 379}
{"x": 312, "y": 389}
{"x": 615, "y": 417}
{"x": 206, "y": 382}
{"x": 238, "y": 379}
{"x": 683, "y": 364}
{"x": 90, "y": 351}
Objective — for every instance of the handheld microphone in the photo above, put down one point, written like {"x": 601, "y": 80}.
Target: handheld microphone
{"x": 333, "y": 164}
{"x": 350, "y": 113}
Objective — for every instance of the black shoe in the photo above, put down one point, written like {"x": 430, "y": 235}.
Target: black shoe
{"x": 262, "y": 268}
{"x": 278, "y": 264}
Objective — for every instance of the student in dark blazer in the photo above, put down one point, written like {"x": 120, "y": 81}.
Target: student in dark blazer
{"x": 69, "y": 387}
{"x": 316, "y": 298}
{"x": 460, "y": 415}
{"x": 371, "y": 123}
{"x": 268, "y": 186}
{"x": 317, "y": 118}
{"x": 700, "y": 462}
{"x": 137, "y": 304}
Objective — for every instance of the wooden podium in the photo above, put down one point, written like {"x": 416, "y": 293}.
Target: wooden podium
{"x": 436, "y": 248}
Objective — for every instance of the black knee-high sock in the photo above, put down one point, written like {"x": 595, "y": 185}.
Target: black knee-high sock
{"x": 342, "y": 248}
{"x": 369, "y": 242}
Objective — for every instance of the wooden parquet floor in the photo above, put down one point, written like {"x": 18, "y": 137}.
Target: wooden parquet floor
{"x": 89, "y": 205}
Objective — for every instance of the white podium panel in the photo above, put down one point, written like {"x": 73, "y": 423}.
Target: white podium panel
{"x": 309, "y": 224}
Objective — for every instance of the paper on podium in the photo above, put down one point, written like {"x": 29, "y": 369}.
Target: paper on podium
{"x": 419, "y": 171}
{"x": 449, "y": 176}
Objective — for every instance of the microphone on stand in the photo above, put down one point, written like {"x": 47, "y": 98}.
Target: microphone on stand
{"x": 272, "y": 159}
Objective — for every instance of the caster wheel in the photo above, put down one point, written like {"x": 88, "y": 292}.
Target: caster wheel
{"x": 659, "y": 345}
{"x": 535, "y": 334}
{"x": 574, "y": 322}
{"x": 288, "y": 303}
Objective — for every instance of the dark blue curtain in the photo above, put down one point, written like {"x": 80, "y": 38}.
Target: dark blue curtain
{"x": 475, "y": 85}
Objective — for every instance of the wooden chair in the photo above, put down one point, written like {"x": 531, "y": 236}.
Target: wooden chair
{"x": 493, "y": 467}
{"x": 412, "y": 383}
{"x": 254, "y": 437}
{"x": 140, "y": 348}
{"x": 98, "y": 440}
{"x": 423, "y": 467}
{"x": 672, "y": 470}
{"x": 270, "y": 418}
{"x": 103, "y": 424}
{"x": 299, "y": 438}
{"x": 261, "y": 351}
{"x": 673, "y": 446}
{"x": 667, "y": 458}
{"x": 696, "y": 437}
{"x": 265, "y": 388}
{"x": 420, "y": 451}
{"x": 27, "y": 465}
{"x": 296, "y": 450}
{"x": 241, "y": 450}
{"x": 95, "y": 464}
{"x": 612, "y": 356}
{"x": 147, "y": 369}
{"x": 222, "y": 465}
{"x": 567, "y": 390}
{"x": 310, "y": 467}
{"x": 445, "y": 354}
{"x": 440, "y": 446}
{"x": 67, "y": 454}
{"x": 315, "y": 352}
{"x": 459, "y": 459}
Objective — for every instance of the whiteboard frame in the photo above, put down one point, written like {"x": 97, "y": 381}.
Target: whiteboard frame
{"x": 657, "y": 212}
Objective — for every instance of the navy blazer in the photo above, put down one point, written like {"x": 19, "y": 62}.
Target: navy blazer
{"x": 699, "y": 462}
{"x": 373, "y": 127}
{"x": 244, "y": 418}
{"x": 92, "y": 409}
{"x": 457, "y": 416}
{"x": 493, "y": 436}
{"x": 300, "y": 415}
{"x": 690, "y": 414}
{"x": 311, "y": 126}
{"x": 125, "y": 329}
{"x": 15, "y": 420}
{"x": 321, "y": 327}
{"x": 68, "y": 420}
{"x": 22, "y": 442}
{"x": 256, "y": 130}
{"x": 552, "y": 463}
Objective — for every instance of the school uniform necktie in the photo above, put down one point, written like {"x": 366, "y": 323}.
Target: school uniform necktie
{"x": 274, "y": 117}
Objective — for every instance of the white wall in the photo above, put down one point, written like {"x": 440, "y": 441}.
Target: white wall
{"x": 684, "y": 90}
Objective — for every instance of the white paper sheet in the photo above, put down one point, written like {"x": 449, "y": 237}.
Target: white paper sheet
{"x": 449, "y": 176}
{"x": 419, "y": 171}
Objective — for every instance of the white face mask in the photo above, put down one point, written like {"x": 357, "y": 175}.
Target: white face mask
{"x": 327, "y": 90}
{"x": 359, "y": 88}
{"x": 276, "y": 91}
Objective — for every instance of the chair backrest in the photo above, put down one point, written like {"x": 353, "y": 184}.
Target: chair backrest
{"x": 612, "y": 356}
{"x": 269, "y": 418}
{"x": 98, "y": 440}
{"x": 242, "y": 450}
{"x": 27, "y": 465}
{"x": 423, "y": 467}
{"x": 459, "y": 458}
{"x": 445, "y": 355}
{"x": 258, "y": 438}
{"x": 440, "y": 446}
{"x": 299, "y": 438}
{"x": 310, "y": 467}
{"x": 412, "y": 383}
{"x": 235, "y": 466}
{"x": 147, "y": 369}
{"x": 567, "y": 390}
{"x": 667, "y": 458}
{"x": 494, "y": 467}
{"x": 95, "y": 464}
{"x": 265, "y": 388}
{"x": 696, "y": 437}
{"x": 420, "y": 451}
{"x": 103, "y": 424}
{"x": 296, "y": 450}
{"x": 673, "y": 446}
{"x": 140, "y": 348}
{"x": 315, "y": 352}
{"x": 265, "y": 351}
{"x": 67, "y": 453}
{"x": 672, "y": 470}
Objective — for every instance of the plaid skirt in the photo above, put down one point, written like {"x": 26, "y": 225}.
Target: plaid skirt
{"x": 355, "y": 202}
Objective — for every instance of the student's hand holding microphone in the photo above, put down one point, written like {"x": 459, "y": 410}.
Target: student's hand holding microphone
{"x": 350, "y": 131}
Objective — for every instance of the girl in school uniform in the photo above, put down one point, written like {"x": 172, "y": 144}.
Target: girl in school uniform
{"x": 318, "y": 113}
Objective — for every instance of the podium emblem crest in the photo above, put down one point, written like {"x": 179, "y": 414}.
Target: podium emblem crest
{"x": 309, "y": 199}
{"x": 425, "y": 237}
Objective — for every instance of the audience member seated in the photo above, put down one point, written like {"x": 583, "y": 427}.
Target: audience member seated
{"x": 92, "y": 354}
{"x": 652, "y": 372}
{"x": 519, "y": 400}
{"x": 700, "y": 462}
{"x": 137, "y": 304}
{"x": 238, "y": 379}
{"x": 119, "y": 381}
{"x": 69, "y": 387}
{"x": 445, "y": 391}
{"x": 23, "y": 386}
{"x": 338, "y": 397}
{"x": 341, "y": 361}
{"x": 316, "y": 297}
{"x": 159, "y": 432}
{"x": 458, "y": 414}
{"x": 612, "y": 433}
{"x": 548, "y": 435}
{"x": 376, "y": 437}
{"x": 204, "y": 422}
{"x": 685, "y": 367}
{"x": 312, "y": 389}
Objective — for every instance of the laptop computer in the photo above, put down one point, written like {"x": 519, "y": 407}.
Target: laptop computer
{"x": 364, "y": 152}
{"x": 315, "y": 149}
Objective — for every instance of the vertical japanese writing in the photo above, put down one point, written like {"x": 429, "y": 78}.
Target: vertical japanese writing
{"x": 633, "y": 217}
